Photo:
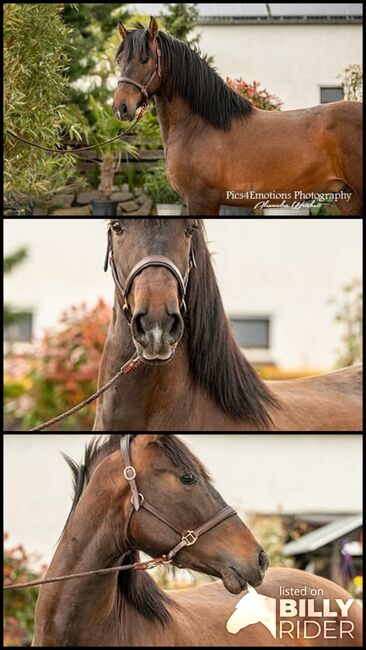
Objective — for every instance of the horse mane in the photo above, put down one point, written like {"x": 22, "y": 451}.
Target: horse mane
{"x": 187, "y": 73}
{"x": 138, "y": 588}
{"x": 143, "y": 593}
{"x": 216, "y": 362}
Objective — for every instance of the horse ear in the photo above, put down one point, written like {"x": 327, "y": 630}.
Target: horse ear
{"x": 122, "y": 30}
{"x": 153, "y": 29}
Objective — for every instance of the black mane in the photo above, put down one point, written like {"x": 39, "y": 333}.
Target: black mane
{"x": 216, "y": 361}
{"x": 187, "y": 73}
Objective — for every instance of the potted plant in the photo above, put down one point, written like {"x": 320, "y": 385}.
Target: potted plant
{"x": 157, "y": 187}
{"x": 104, "y": 123}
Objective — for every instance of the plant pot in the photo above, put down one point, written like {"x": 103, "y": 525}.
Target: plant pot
{"x": 105, "y": 208}
{"x": 227, "y": 210}
{"x": 167, "y": 209}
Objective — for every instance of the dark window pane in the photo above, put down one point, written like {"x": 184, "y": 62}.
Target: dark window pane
{"x": 22, "y": 330}
{"x": 251, "y": 332}
{"x": 334, "y": 94}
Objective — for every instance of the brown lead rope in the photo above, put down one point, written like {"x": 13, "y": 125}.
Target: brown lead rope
{"x": 128, "y": 367}
{"x": 138, "y": 566}
{"x": 75, "y": 150}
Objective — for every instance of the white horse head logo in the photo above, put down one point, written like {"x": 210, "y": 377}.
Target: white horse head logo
{"x": 251, "y": 609}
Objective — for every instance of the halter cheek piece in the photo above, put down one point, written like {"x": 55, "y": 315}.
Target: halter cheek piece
{"x": 145, "y": 263}
{"x": 144, "y": 88}
{"x": 138, "y": 502}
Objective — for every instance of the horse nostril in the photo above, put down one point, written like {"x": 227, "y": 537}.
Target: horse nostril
{"x": 139, "y": 327}
{"x": 123, "y": 110}
{"x": 263, "y": 561}
{"x": 176, "y": 328}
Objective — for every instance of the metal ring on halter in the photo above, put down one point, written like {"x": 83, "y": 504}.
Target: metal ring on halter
{"x": 142, "y": 499}
{"x": 133, "y": 474}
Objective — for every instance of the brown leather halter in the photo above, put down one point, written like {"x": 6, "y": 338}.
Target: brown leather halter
{"x": 145, "y": 263}
{"x": 144, "y": 88}
{"x": 138, "y": 501}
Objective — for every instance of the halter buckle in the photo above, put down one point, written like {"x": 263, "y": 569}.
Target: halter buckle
{"x": 130, "y": 473}
{"x": 190, "y": 538}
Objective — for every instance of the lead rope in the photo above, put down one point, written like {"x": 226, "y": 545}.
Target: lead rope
{"x": 75, "y": 150}
{"x": 138, "y": 566}
{"x": 128, "y": 367}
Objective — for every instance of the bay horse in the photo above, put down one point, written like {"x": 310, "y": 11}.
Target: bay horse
{"x": 219, "y": 148}
{"x": 194, "y": 376}
{"x": 103, "y": 530}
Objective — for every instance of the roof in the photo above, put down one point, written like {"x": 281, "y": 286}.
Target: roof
{"x": 323, "y": 536}
{"x": 316, "y": 9}
{"x": 258, "y": 11}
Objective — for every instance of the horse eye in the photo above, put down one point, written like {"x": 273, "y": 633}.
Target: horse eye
{"x": 117, "y": 228}
{"x": 188, "y": 479}
{"x": 190, "y": 230}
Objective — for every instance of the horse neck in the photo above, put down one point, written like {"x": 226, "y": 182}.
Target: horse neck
{"x": 86, "y": 611}
{"x": 176, "y": 117}
{"x": 150, "y": 398}
{"x": 91, "y": 611}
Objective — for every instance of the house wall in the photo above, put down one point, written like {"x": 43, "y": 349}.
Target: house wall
{"x": 289, "y": 61}
{"x": 289, "y": 270}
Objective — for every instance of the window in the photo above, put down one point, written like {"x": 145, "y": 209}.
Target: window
{"x": 334, "y": 94}
{"x": 21, "y": 330}
{"x": 252, "y": 332}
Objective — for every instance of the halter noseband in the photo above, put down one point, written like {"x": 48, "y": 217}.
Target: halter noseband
{"x": 145, "y": 263}
{"x": 143, "y": 88}
{"x": 138, "y": 502}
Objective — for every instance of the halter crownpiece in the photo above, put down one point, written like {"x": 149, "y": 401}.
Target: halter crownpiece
{"x": 138, "y": 501}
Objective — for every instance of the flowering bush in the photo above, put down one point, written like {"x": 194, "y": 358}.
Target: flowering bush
{"x": 260, "y": 98}
{"x": 19, "y": 605}
{"x": 66, "y": 372}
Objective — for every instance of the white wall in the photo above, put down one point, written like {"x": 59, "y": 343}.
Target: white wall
{"x": 254, "y": 472}
{"x": 285, "y": 268}
{"x": 289, "y": 269}
{"x": 287, "y": 473}
{"x": 290, "y": 61}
